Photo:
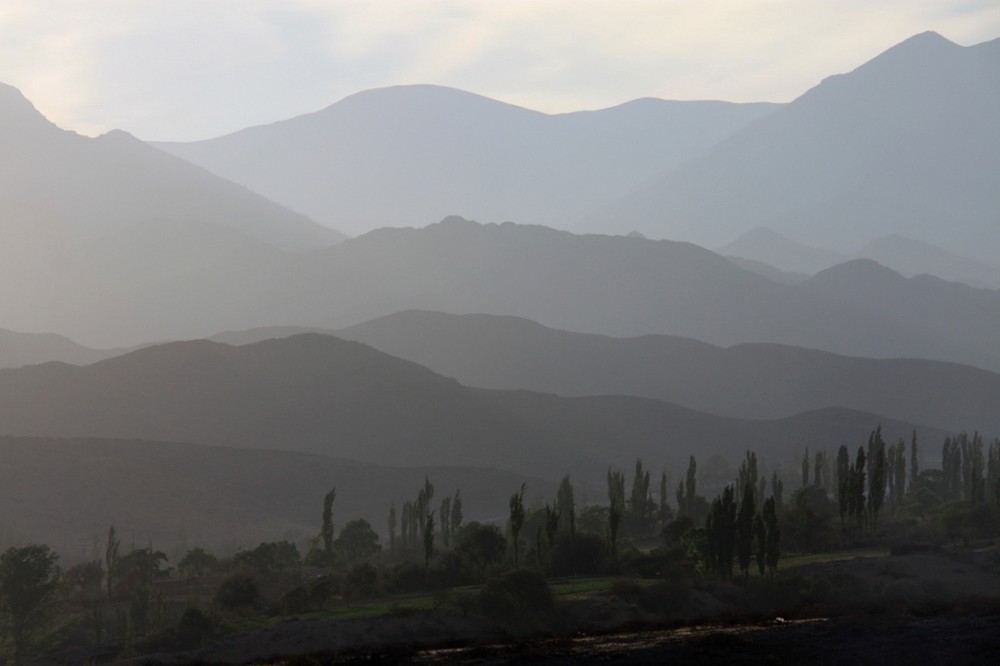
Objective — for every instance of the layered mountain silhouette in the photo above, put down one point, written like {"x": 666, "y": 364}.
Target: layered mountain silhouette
{"x": 748, "y": 381}
{"x": 392, "y": 156}
{"x": 58, "y": 188}
{"x": 66, "y": 493}
{"x": 191, "y": 281}
{"x": 317, "y": 393}
{"x": 772, "y": 249}
{"x": 770, "y": 254}
{"x": 908, "y": 143}
{"x": 910, "y": 257}
{"x": 18, "y": 349}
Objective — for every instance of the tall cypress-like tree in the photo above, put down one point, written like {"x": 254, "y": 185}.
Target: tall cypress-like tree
{"x": 877, "y": 480}
{"x": 456, "y": 512}
{"x": 445, "y": 514}
{"x": 326, "y": 532}
{"x": 805, "y": 468}
{"x": 639, "y": 498}
{"x": 111, "y": 559}
{"x": 745, "y": 531}
{"x": 616, "y": 506}
{"x": 857, "y": 491}
{"x": 914, "y": 462}
{"x": 392, "y": 526}
{"x": 516, "y": 520}
{"x": 664, "y": 505}
{"x": 720, "y": 528}
{"x": 760, "y": 541}
{"x": 773, "y": 536}
{"x": 566, "y": 504}
{"x": 428, "y": 539}
{"x": 692, "y": 485}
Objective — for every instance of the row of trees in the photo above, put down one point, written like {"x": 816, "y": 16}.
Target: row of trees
{"x": 432, "y": 546}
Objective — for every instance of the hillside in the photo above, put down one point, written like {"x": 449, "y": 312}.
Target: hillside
{"x": 757, "y": 381}
{"x": 907, "y": 144}
{"x": 320, "y": 394}
{"x": 68, "y": 492}
{"x": 441, "y": 151}
{"x": 58, "y": 187}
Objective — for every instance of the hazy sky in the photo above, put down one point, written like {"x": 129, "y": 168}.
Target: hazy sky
{"x": 188, "y": 69}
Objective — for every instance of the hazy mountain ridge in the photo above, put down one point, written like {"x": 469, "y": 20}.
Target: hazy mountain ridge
{"x": 745, "y": 381}
{"x": 907, "y": 256}
{"x": 19, "y": 349}
{"x": 907, "y": 143}
{"x": 172, "y": 282}
{"x": 321, "y": 394}
{"x": 91, "y": 187}
{"x": 441, "y": 151}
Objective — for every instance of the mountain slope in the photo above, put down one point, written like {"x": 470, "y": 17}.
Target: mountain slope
{"x": 907, "y": 143}
{"x": 631, "y": 286}
{"x": 771, "y": 248}
{"x": 321, "y": 394}
{"x": 748, "y": 381}
{"x": 19, "y": 349}
{"x": 59, "y": 185}
{"x": 910, "y": 257}
{"x": 440, "y": 151}
{"x": 187, "y": 281}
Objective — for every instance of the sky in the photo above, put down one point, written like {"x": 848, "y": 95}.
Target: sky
{"x": 191, "y": 69}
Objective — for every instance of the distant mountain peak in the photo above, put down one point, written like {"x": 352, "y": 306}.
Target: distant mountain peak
{"x": 16, "y": 110}
{"x": 858, "y": 268}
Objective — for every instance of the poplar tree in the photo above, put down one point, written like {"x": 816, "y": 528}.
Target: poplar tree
{"x": 326, "y": 532}
{"x": 745, "y": 531}
{"x": 773, "y": 536}
{"x": 616, "y": 506}
{"x": 516, "y": 520}
{"x": 392, "y": 526}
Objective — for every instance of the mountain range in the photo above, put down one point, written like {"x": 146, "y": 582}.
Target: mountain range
{"x": 168, "y": 281}
{"x": 753, "y": 381}
{"x": 768, "y": 253}
{"x": 319, "y": 394}
{"x": 441, "y": 151}
{"x": 58, "y": 188}
{"x": 907, "y": 144}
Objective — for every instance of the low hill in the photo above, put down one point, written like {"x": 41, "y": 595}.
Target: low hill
{"x": 68, "y": 492}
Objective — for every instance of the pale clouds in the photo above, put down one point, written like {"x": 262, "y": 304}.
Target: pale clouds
{"x": 184, "y": 69}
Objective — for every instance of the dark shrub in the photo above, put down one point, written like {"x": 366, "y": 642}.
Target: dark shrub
{"x": 582, "y": 555}
{"x": 407, "y": 577}
{"x": 194, "y": 627}
{"x": 519, "y": 601}
{"x": 237, "y": 592}
{"x": 362, "y": 581}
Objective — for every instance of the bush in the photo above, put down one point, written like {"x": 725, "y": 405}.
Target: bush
{"x": 237, "y": 592}
{"x": 362, "y": 581}
{"x": 520, "y": 602}
{"x": 407, "y": 577}
{"x": 582, "y": 555}
{"x": 194, "y": 627}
